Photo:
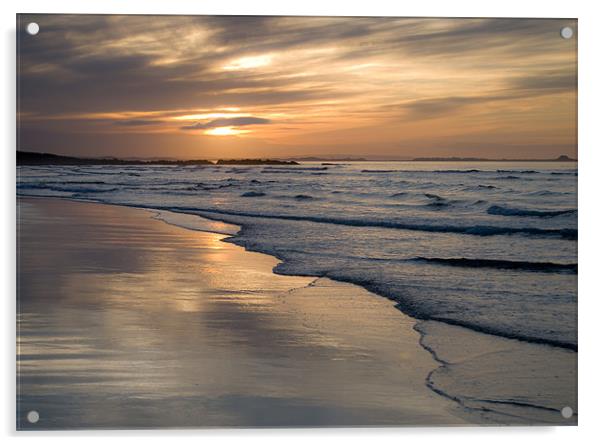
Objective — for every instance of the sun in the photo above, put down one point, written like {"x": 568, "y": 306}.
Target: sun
{"x": 225, "y": 131}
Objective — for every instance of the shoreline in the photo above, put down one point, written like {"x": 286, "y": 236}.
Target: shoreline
{"x": 325, "y": 293}
{"x": 399, "y": 305}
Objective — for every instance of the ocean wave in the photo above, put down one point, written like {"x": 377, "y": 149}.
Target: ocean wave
{"x": 437, "y": 205}
{"x": 65, "y": 189}
{"x": 501, "y": 264}
{"x": 460, "y": 171}
{"x": 508, "y": 211}
{"x": 478, "y": 230}
{"x": 544, "y": 193}
{"x": 208, "y": 187}
{"x": 478, "y": 187}
{"x": 417, "y": 310}
{"x": 379, "y": 171}
{"x": 102, "y": 172}
{"x": 278, "y": 171}
{"x": 252, "y": 194}
{"x": 296, "y": 168}
{"x": 82, "y": 182}
{"x": 491, "y": 330}
{"x": 518, "y": 171}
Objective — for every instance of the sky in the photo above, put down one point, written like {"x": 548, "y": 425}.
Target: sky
{"x": 209, "y": 87}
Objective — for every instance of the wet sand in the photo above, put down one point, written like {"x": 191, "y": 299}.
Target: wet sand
{"x": 129, "y": 322}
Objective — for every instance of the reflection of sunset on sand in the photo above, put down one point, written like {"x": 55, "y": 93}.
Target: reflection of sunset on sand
{"x": 135, "y": 322}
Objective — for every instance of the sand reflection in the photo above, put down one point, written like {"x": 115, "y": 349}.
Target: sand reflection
{"x": 129, "y": 321}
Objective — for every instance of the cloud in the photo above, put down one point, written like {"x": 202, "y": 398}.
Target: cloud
{"x": 227, "y": 122}
{"x": 429, "y": 108}
{"x": 141, "y": 70}
{"x": 115, "y": 63}
{"x": 137, "y": 122}
{"x": 546, "y": 82}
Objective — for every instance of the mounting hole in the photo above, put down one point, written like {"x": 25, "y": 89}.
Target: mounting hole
{"x": 567, "y": 412}
{"x": 566, "y": 32}
{"x": 32, "y": 28}
{"x": 33, "y": 416}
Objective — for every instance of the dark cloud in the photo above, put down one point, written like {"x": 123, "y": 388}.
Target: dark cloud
{"x": 137, "y": 122}
{"x": 429, "y": 108}
{"x": 63, "y": 72}
{"x": 227, "y": 122}
{"x": 108, "y": 65}
{"x": 522, "y": 87}
{"x": 546, "y": 82}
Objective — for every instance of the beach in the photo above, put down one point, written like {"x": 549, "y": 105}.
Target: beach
{"x": 278, "y": 221}
{"x": 127, "y": 321}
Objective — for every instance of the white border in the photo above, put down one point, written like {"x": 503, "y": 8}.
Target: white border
{"x": 590, "y": 217}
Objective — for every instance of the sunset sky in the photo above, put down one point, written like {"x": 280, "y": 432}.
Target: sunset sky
{"x": 229, "y": 87}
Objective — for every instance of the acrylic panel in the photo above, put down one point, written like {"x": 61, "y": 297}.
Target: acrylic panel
{"x": 247, "y": 221}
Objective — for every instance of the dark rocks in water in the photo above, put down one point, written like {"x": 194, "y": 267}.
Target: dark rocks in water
{"x": 564, "y": 158}
{"x": 255, "y": 162}
{"x": 252, "y": 194}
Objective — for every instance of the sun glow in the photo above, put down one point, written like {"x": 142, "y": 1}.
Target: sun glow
{"x": 225, "y": 131}
{"x": 246, "y": 63}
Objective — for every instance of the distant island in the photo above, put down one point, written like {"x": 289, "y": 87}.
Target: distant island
{"x": 561, "y": 158}
{"x": 34, "y": 158}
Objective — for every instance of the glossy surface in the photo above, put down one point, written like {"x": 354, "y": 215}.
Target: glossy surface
{"x": 126, "y": 321}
